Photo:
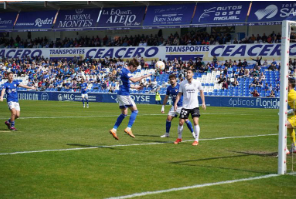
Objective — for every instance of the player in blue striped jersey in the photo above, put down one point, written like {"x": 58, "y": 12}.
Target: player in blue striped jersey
{"x": 172, "y": 91}
{"x": 124, "y": 99}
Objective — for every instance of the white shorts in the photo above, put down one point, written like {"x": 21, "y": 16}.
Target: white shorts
{"x": 172, "y": 111}
{"x": 14, "y": 105}
{"x": 125, "y": 101}
{"x": 84, "y": 96}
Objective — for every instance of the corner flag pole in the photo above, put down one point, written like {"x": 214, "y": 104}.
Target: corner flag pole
{"x": 285, "y": 45}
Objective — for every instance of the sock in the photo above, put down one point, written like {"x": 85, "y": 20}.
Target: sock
{"x": 119, "y": 120}
{"x": 83, "y": 101}
{"x": 9, "y": 120}
{"x": 292, "y": 134}
{"x": 12, "y": 124}
{"x": 196, "y": 131}
{"x": 180, "y": 130}
{"x": 168, "y": 126}
{"x": 87, "y": 101}
{"x": 189, "y": 125}
{"x": 132, "y": 118}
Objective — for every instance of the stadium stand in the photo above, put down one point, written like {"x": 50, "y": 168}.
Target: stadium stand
{"x": 62, "y": 75}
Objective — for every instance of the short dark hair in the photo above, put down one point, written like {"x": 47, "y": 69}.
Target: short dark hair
{"x": 172, "y": 76}
{"x": 292, "y": 81}
{"x": 134, "y": 62}
{"x": 9, "y": 73}
{"x": 189, "y": 69}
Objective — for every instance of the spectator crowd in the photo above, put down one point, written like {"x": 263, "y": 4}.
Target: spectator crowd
{"x": 190, "y": 38}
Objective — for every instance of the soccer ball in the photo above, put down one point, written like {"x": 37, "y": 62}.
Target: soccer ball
{"x": 159, "y": 65}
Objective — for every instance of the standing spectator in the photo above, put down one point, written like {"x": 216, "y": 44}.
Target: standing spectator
{"x": 258, "y": 60}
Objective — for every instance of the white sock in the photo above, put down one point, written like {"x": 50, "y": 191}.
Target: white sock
{"x": 196, "y": 131}
{"x": 180, "y": 130}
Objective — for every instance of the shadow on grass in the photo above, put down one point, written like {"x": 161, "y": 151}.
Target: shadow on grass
{"x": 155, "y": 141}
{"x": 243, "y": 154}
{"x": 138, "y": 135}
{"x": 99, "y": 147}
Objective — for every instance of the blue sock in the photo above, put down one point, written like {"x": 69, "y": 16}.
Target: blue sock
{"x": 83, "y": 101}
{"x": 87, "y": 101}
{"x": 9, "y": 120}
{"x": 12, "y": 124}
{"x": 119, "y": 120}
{"x": 132, "y": 118}
{"x": 168, "y": 126}
{"x": 189, "y": 125}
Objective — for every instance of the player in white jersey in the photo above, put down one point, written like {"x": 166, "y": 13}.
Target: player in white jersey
{"x": 189, "y": 89}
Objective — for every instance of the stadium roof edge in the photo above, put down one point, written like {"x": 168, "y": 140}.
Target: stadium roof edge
{"x": 70, "y": 5}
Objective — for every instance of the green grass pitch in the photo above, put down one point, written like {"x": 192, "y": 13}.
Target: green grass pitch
{"x": 102, "y": 167}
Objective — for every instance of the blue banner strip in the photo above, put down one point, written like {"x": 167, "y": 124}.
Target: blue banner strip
{"x": 244, "y": 102}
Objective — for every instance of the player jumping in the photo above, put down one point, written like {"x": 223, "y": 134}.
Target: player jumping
{"x": 124, "y": 99}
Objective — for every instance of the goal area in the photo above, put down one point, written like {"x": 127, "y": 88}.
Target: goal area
{"x": 288, "y": 32}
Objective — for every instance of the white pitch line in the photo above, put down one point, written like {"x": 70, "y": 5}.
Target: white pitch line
{"x": 193, "y": 187}
{"x": 126, "y": 145}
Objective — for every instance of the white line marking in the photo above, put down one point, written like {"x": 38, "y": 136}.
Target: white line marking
{"x": 125, "y": 145}
{"x": 193, "y": 187}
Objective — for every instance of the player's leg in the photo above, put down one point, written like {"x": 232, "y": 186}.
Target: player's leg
{"x": 128, "y": 129}
{"x": 195, "y": 116}
{"x": 119, "y": 120}
{"x": 168, "y": 125}
{"x": 82, "y": 98}
{"x": 86, "y": 97}
{"x": 183, "y": 116}
{"x": 190, "y": 127}
{"x": 291, "y": 123}
{"x": 187, "y": 121}
{"x": 171, "y": 114}
{"x": 12, "y": 119}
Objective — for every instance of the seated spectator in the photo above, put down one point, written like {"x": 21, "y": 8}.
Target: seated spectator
{"x": 271, "y": 94}
{"x": 241, "y": 72}
{"x": 245, "y": 63}
{"x": 255, "y": 93}
{"x": 221, "y": 79}
{"x": 247, "y": 73}
{"x": 225, "y": 85}
{"x": 272, "y": 67}
{"x": 255, "y": 83}
{"x": 235, "y": 83}
{"x": 262, "y": 76}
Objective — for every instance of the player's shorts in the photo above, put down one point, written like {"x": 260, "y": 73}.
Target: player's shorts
{"x": 125, "y": 101}
{"x": 292, "y": 120}
{"x": 185, "y": 113}
{"x": 14, "y": 105}
{"x": 173, "y": 113}
{"x": 84, "y": 96}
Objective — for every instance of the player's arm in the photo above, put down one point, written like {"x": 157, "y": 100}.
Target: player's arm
{"x": 2, "y": 94}
{"x": 202, "y": 96}
{"x": 137, "y": 79}
{"x": 137, "y": 87}
{"x": 28, "y": 87}
{"x": 177, "y": 100}
{"x": 164, "y": 103}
